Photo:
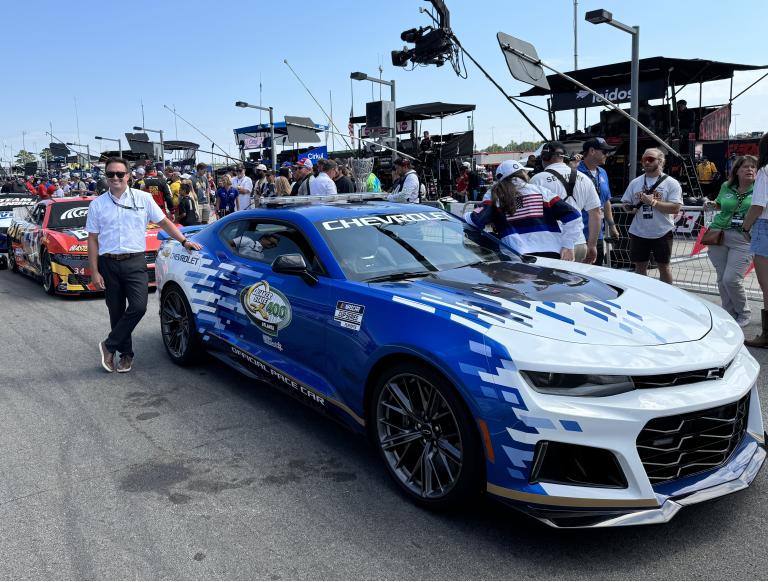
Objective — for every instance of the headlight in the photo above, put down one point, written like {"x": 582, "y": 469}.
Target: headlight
{"x": 578, "y": 384}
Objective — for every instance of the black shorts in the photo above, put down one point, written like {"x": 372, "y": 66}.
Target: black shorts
{"x": 640, "y": 248}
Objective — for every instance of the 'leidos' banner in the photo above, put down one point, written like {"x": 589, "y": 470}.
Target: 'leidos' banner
{"x": 715, "y": 125}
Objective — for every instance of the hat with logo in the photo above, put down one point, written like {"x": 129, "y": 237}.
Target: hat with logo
{"x": 597, "y": 143}
{"x": 305, "y": 163}
{"x": 507, "y": 168}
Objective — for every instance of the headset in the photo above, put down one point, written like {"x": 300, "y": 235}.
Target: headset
{"x": 551, "y": 150}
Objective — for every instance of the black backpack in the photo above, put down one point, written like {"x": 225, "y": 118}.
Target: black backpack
{"x": 569, "y": 185}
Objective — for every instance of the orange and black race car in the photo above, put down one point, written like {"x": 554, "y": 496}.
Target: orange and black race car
{"x": 48, "y": 241}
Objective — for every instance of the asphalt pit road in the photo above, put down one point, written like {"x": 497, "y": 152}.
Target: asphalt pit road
{"x": 282, "y": 479}
{"x": 206, "y": 486}
{"x": 147, "y": 415}
{"x": 134, "y": 395}
{"x": 199, "y": 557}
{"x": 340, "y": 476}
{"x": 158, "y": 401}
{"x": 179, "y": 498}
{"x": 155, "y": 477}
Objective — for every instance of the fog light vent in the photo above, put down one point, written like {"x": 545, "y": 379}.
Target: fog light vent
{"x": 568, "y": 464}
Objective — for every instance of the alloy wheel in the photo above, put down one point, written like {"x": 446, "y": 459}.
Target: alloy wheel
{"x": 419, "y": 435}
{"x": 175, "y": 322}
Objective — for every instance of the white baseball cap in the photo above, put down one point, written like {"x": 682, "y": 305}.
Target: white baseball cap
{"x": 507, "y": 168}
{"x": 261, "y": 167}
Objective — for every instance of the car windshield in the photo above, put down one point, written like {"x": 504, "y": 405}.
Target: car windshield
{"x": 378, "y": 247}
{"x": 68, "y": 214}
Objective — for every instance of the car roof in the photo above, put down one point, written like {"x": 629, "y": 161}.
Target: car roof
{"x": 317, "y": 212}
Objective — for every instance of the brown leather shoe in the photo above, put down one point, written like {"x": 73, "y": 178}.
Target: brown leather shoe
{"x": 107, "y": 358}
{"x": 125, "y": 363}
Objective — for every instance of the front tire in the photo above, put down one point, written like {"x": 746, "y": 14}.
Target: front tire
{"x": 12, "y": 259}
{"x": 426, "y": 436}
{"x": 177, "y": 325}
{"x": 46, "y": 271}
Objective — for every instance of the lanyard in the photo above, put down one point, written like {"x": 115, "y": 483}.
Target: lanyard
{"x": 133, "y": 198}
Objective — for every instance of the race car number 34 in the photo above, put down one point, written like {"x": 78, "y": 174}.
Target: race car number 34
{"x": 349, "y": 315}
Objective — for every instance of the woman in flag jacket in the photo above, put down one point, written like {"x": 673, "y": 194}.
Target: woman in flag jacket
{"x": 530, "y": 219}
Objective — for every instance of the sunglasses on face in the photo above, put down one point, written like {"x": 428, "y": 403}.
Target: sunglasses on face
{"x": 120, "y": 175}
{"x": 649, "y": 159}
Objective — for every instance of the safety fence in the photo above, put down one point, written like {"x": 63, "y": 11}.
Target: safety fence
{"x": 691, "y": 268}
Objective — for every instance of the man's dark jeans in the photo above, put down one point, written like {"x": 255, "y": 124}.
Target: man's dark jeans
{"x": 125, "y": 281}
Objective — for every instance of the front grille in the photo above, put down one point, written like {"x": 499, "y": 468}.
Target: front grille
{"x": 73, "y": 279}
{"x": 150, "y": 256}
{"x": 672, "y": 447}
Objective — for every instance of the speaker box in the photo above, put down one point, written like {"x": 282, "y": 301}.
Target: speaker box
{"x": 380, "y": 114}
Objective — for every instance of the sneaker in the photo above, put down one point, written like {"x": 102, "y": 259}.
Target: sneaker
{"x": 125, "y": 363}
{"x": 744, "y": 319}
{"x": 107, "y": 358}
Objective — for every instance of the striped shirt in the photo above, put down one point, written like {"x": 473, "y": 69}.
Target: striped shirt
{"x": 533, "y": 227}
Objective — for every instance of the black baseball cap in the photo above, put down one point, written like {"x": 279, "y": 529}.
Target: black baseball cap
{"x": 597, "y": 143}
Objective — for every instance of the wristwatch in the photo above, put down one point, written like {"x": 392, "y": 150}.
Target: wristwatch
{"x": 185, "y": 241}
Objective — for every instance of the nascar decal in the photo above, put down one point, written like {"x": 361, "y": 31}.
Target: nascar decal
{"x": 78, "y": 249}
{"x": 349, "y": 315}
{"x": 384, "y": 220}
{"x": 266, "y": 307}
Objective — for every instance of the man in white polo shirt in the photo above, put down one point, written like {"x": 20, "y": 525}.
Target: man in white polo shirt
{"x": 324, "y": 185}
{"x": 117, "y": 225}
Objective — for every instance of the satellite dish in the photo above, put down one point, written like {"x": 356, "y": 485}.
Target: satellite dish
{"x": 521, "y": 68}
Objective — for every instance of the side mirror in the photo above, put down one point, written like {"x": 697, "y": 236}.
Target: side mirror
{"x": 293, "y": 264}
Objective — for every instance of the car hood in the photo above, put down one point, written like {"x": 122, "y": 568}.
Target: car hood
{"x": 558, "y": 304}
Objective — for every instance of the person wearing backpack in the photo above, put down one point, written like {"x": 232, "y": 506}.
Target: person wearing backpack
{"x": 573, "y": 187}
{"x": 654, "y": 198}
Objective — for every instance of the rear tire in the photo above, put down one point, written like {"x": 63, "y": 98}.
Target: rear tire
{"x": 178, "y": 328}
{"x": 426, "y": 436}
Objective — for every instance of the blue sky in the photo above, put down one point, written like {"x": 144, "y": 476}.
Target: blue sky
{"x": 201, "y": 57}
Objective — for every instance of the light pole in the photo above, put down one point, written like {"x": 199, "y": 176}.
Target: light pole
{"x": 358, "y": 76}
{"x": 119, "y": 143}
{"x": 271, "y": 128}
{"x": 87, "y": 149}
{"x": 604, "y": 16}
{"x": 162, "y": 144}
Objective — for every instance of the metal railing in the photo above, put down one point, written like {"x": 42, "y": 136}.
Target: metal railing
{"x": 691, "y": 268}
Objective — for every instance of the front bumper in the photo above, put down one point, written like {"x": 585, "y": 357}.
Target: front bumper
{"x": 614, "y": 424}
{"x": 743, "y": 468}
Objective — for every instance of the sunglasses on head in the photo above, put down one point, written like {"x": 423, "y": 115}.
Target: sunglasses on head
{"x": 120, "y": 175}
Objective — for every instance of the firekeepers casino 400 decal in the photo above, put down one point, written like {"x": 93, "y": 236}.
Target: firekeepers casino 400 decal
{"x": 266, "y": 307}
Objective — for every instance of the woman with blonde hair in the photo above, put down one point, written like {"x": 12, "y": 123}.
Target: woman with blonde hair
{"x": 526, "y": 217}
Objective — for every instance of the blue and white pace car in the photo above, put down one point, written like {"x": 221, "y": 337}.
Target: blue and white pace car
{"x": 582, "y": 395}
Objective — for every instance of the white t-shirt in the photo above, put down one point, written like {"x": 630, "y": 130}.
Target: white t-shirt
{"x": 407, "y": 190}
{"x": 244, "y": 182}
{"x": 584, "y": 197}
{"x": 649, "y": 221}
{"x": 760, "y": 191}
{"x": 322, "y": 186}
